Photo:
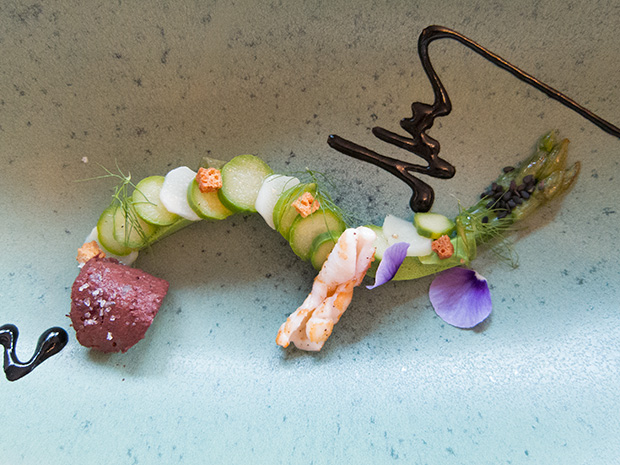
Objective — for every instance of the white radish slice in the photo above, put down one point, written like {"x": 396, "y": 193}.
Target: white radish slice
{"x": 124, "y": 259}
{"x": 398, "y": 230}
{"x": 270, "y": 191}
{"x": 173, "y": 194}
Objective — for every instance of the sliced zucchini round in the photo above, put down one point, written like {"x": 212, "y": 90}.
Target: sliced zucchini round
{"x": 207, "y": 205}
{"x": 148, "y": 205}
{"x": 242, "y": 178}
{"x": 305, "y": 230}
{"x": 433, "y": 225}
{"x": 105, "y": 233}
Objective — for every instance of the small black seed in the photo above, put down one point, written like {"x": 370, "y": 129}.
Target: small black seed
{"x": 490, "y": 204}
{"x": 507, "y": 195}
{"x": 485, "y": 219}
{"x": 497, "y": 195}
{"x": 525, "y": 194}
{"x": 517, "y": 200}
{"x": 521, "y": 187}
{"x": 502, "y": 214}
{"x": 495, "y": 187}
{"x": 512, "y": 204}
{"x": 528, "y": 179}
{"x": 513, "y": 185}
{"x": 530, "y": 188}
{"x": 508, "y": 169}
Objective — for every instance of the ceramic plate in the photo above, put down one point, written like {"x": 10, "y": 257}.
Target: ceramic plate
{"x": 152, "y": 85}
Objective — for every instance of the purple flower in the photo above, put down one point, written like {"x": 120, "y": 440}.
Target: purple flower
{"x": 461, "y": 297}
{"x": 393, "y": 257}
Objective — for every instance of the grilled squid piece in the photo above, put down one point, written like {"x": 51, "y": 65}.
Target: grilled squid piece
{"x": 312, "y": 323}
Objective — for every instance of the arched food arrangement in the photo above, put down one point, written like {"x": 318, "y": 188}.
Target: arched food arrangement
{"x": 113, "y": 304}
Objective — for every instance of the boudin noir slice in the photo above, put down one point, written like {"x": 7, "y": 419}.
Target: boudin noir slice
{"x": 112, "y": 305}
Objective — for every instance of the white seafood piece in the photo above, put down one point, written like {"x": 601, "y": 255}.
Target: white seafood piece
{"x": 312, "y": 323}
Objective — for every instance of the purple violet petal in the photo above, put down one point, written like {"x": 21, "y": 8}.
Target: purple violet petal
{"x": 460, "y": 297}
{"x": 393, "y": 257}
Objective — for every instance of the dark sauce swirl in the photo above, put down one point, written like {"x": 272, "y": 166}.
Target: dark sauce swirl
{"x": 423, "y": 117}
{"x": 50, "y": 343}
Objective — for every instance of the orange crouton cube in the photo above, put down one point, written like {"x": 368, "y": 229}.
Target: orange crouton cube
{"x": 209, "y": 179}
{"x": 306, "y": 204}
{"x": 443, "y": 246}
{"x": 89, "y": 250}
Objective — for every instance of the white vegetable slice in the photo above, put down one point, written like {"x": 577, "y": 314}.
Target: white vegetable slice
{"x": 270, "y": 191}
{"x": 124, "y": 259}
{"x": 173, "y": 194}
{"x": 398, "y": 230}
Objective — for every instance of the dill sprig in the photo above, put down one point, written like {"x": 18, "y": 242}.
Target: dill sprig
{"x": 122, "y": 198}
{"x": 492, "y": 232}
{"x": 324, "y": 184}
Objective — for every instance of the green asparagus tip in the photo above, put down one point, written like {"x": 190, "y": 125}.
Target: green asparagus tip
{"x": 518, "y": 192}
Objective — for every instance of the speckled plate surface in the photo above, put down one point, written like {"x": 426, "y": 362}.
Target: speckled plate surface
{"x": 154, "y": 85}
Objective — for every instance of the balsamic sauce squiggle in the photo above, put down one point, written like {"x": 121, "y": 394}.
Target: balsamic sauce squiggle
{"x": 424, "y": 115}
{"x": 50, "y": 343}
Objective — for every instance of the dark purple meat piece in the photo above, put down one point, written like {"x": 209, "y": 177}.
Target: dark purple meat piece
{"x": 112, "y": 305}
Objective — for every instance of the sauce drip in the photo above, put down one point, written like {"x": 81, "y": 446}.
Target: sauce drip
{"x": 50, "y": 343}
{"x": 423, "y": 117}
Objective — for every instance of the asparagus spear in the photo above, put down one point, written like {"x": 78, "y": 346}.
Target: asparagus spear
{"x": 518, "y": 192}
{"x": 513, "y": 196}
